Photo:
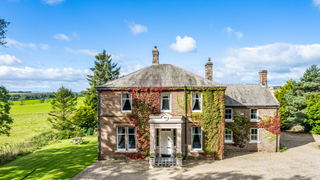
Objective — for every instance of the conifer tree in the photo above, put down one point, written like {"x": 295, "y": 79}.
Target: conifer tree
{"x": 63, "y": 109}
{"x": 279, "y": 94}
{"x": 297, "y": 96}
{"x": 5, "y": 119}
{"x": 3, "y": 24}
{"x": 104, "y": 70}
{"x": 313, "y": 113}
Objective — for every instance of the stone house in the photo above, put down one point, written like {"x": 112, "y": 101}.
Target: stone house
{"x": 208, "y": 106}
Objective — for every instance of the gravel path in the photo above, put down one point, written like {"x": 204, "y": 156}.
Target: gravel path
{"x": 301, "y": 161}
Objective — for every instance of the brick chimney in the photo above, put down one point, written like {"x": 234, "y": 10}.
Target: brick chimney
{"x": 263, "y": 79}
{"x": 155, "y": 54}
{"x": 209, "y": 69}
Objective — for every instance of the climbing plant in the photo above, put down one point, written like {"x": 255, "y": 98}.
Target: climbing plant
{"x": 240, "y": 128}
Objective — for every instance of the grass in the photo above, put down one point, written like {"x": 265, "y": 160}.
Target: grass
{"x": 55, "y": 161}
{"x": 28, "y": 121}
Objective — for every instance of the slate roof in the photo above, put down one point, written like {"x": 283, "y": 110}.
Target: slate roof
{"x": 249, "y": 95}
{"x": 159, "y": 75}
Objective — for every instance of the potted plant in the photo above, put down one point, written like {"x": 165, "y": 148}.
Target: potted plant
{"x": 179, "y": 160}
{"x": 152, "y": 160}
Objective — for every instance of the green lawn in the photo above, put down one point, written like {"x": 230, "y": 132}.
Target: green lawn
{"x": 28, "y": 121}
{"x": 55, "y": 161}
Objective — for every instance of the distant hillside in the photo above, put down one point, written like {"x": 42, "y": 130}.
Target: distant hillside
{"x": 31, "y": 96}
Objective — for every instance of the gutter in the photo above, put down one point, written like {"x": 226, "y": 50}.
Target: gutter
{"x": 185, "y": 123}
{"x": 277, "y": 139}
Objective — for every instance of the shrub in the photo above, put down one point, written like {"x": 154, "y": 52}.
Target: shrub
{"x": 282, "y": 148}
{"x": 179, "y": 155}
{"x": 90, "y": 131}
{"x": 41, "y": 100}
{"x": 10, "y": 103}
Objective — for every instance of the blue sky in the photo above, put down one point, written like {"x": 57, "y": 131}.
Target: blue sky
{"x": 53, "y": 42}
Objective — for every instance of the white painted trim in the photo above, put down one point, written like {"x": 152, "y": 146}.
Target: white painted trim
{"x": 228, "y": 141}
{"x": 130, "y": 103}
{"x": 125, "y": 151}
{"x": 192, "y": 149}
{"x": 196, "y": 151}
{"x": 170, "y": 100}
{"x": 255, "y": 120}
{"x": 118, "y": 139}
{"x": 229, "y": 120}
{"x": 200, "y": 103}
{"x": 257, "y": 141}
{"x": 135, "y": 134}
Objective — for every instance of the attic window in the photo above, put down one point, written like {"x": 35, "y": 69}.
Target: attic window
{"x": 165, "y": 102}
{"x": 196, "y": 102}
{"x": 126, "y": 102}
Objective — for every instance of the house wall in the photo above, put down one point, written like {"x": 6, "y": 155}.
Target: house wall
{"x": 264, "y": 135}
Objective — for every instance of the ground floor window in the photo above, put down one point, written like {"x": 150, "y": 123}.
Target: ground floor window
{"x": 254, "y": 135}
{"x": 126, "y": 139}
{"x": 228, "y": 135}
{"x": 196, "y": 138}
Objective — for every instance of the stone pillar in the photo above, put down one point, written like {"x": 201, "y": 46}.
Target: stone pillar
{"x": 152, "y": 138}
{"x": 263, "y": 80}
{"x": 209, "y": 71}
{"x": 178, "y": 150}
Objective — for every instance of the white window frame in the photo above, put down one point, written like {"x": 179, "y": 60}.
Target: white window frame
{"x": 254, "y": 141}
{"x": 255, "y": 120}
{"x": 228, "y": 141}
{"x": 124, "y": 137}
{"x": 196, "y": 149}
{"x": 126, "y": 111}
{"x": 200, "y": 102}
{"x": 229, "y": 120}
{"x": 166, "y": 93}
{"x": 135, "y": 134}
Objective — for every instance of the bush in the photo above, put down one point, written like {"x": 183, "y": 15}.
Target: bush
{"x": 90, "y": 131}
{"x": 41, "y": 100}
{"x": 10, "y": 103}
{"x": 315, "y": 130}
{"x": 282, "y": 148}
{"x": 10, "y": 152}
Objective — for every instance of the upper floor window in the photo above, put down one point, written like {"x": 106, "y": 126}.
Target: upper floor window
{"x": 126, "y": 102}
{"x": 196, "y": 102}
{"x": 254, "y": 114}
{"x": 165, "y": 102}
{"x": 196, "y": 138}
{"x": 228, "y": 114}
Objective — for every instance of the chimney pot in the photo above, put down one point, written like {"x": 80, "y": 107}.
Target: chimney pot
{"x": 263, "y": 78}
{"x": 208, "y": 68}
{"x": 155, "y": 54}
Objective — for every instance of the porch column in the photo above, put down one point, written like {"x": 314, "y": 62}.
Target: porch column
{"x": 179, "y": 139}
{"x": 152, "y": 137}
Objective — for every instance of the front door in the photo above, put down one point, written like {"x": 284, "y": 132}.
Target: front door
{"x": 166, "y": 142}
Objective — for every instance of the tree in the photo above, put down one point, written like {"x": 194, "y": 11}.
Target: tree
{"x": 5, "y": 119}
{"x": 63, "y": 109}
{"x": 279, "y": 94}
{"x": 313, "y": 113}
{"x": 22, "y": 99}
{"x": 297, "y": 96}
{"x": 85, "y": 117}
{"x": 104, "y": 70}
{"x": 3, "y": 24}
{"x": 41, "y": 100}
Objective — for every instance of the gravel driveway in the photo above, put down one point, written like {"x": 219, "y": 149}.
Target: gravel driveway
{"x": 300, "y": 161}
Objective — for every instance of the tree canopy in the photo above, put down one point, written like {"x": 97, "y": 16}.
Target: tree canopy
{"x": 5, "y": 119}
{"x": 279, "y": 94}
{"x": 3, "y": 24}
{"x": 63, "y": 109}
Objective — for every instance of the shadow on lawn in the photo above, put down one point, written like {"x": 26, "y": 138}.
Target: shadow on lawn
{"x": 139, "y": 170}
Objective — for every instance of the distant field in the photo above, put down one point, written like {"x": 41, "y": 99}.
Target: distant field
{"x": 29, "y": 120}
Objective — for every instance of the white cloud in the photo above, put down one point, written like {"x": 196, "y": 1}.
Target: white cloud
{"x": 125, "y": 70}
{"x": 44, "y": 46}
{"x": 19, "y": 45}
{"x": 75, "y": 35}
{"x": 62, "y": 37}
{"x": 316, "y": 3}
{"x": 9, "y": 60}
{"x": 230, "y": 31}
{"x": 118, "y": 57}
{"x": 137, "y": 28}
{"x": 282, "y": 60}
{"x": 82, "y": 51}
{"x": 183, "y": 45}
{"x": 51, "y": 2}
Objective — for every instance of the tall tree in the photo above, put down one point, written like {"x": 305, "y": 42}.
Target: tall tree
{"x": 5, "y": 119}
{"x": 63, "y": 109}
{"x": 279, "y": 94}
{"x": 3, "y": 24}
{"x": 104, "y": 70}
{"x": 297, "y": 96}
{"x": 313, "y": 113}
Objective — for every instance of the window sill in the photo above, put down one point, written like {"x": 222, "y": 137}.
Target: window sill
{"x": 165, "y": 110}
{"x": 126, "y": 111}
{"x": 196, "y": 111}
{"x": 126, "y": 151}
{"x": 229, "y": 120}
{"x": 254, "y": 120}
{"x": 254, "y": 142}
{"x": 196, "y": 151}
{"x": 228, "y": 142}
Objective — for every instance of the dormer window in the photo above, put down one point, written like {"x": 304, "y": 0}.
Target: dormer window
{"x": 196, "y": 102}
{"x": 165, "y": 102}
{"x": 126, "y": 102}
